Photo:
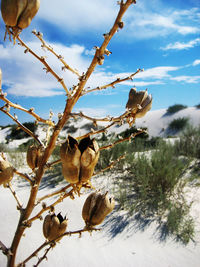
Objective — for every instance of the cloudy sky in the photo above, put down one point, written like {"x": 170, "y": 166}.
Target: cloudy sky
{"x": 163, "y": 37}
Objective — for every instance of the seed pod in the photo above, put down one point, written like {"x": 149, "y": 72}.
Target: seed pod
{"x": 17, "y": 14}
{"x": 135, "y": 98}
{"x": 54, "y": 226}
{"x": 70, "y": 158}
{"x": 6, "y": 171}
{"x": 145, "y": 107}
{"x": 34, "y": 156}
{"x": 11, "y": 10}
{"x": 139, "y": 102}
{"x": 89, "y": 158}
{"x": 28, "y": 14}
{"x": 96, "y": 207}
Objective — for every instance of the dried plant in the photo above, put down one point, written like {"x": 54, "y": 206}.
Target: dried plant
{"x": 78, "y": 156}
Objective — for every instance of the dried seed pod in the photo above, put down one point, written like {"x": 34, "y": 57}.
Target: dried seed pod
{"x": 28, "y": 14}
{"x": 96, "y": 207}
{"x": 6, "y": 171}
{"x": 139, "y": 102}
{"x": 145, "y": 107}
{"x": 18, "y": 14}
{"x": 89, "y": 158}
{"x": 135, "y": 98}
{"x": 11, "y": 10}
{"x": 70, "y": 158}
{"x": 34, "y": 156}
{"x": 54, "y": 226}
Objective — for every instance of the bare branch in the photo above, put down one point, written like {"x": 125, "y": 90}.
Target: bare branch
{"x": 21, "y": 125}
{"x": 19, "y": 205}
{"x": 29, "y": 111}
{"x": 39, "y": 35}
{"x": 112, "y": 84}
{"x": 133, "y": 135}
{"x": 52, "y": 243}
{"x": 43, "y": 61}
{"x": 110, "y": 166}
{"x": 54, "y": 193}
{"x": 96, "y": 132}
{"x": 3, "y": 248}
{"x": 45, "y": 208}
{"x": 25, "y": 176}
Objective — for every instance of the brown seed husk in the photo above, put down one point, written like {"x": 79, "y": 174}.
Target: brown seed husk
{"x": 70, "y": 158}
{"x": 6, "y": 171}
{"x": 146, "y": 106}
{"x": 136, "y": 98}
{"x": 28, "y": 14}
{"x": 11, "y": 11}
{"x": 53, "y": 227}
{"x": 89, "y": 158}
{"x": 96, "y": 208}
{"x": 34, "y": 156}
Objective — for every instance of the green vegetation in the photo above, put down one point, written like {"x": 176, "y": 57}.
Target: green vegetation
{"x": 178, "y": 124}
{"x": 152, "y": 190}
{"x": 175, "y": 108}
{"x": 189, "y": 143}
{"x": 198, "y": 106}
{"x": 17, "y": 133}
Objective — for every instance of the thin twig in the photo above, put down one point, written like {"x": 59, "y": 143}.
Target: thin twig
{"x": 44, "y": 257}
{"x": 25, "y": 176}
{"x": 96, "y": 132}
{"x": 110, "y": 166}
{"x": 52, "y": 243}
{"x": 60, "y": 199}
{"x": 54, "y": 193}
{"x": 29, "y": 111}
{"x": 43, "y": 61}
{"x": 39, "y": 35}
{"x": 112, "y": 84}
{"x": 3, "y": 248}
{"x": 19, "y": 205}
{"x": 133, "y": 135}
{"x": 25, "y": 129}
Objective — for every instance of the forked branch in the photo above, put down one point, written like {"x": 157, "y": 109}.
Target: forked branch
{"x": 25, "y": 129}
{"x": 39, "y": 35}
{"x": 29, "y": 111}
{"x": 112, "y": 84}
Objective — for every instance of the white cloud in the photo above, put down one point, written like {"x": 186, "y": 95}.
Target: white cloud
{"x": 93, "y": 112}
{"x": 182, "y": 46}
{"x": 153, "y": 19}
{"x": 78, "y": 16}
{"x": 186, "y": 79}
{"x": 24, "y": 75}
{"x": 196, "y": 62}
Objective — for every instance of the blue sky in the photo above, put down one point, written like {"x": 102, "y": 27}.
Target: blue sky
{"x": 163, "y": 37}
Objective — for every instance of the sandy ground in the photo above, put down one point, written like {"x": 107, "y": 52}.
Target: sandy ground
{"x": 128, "y": 248}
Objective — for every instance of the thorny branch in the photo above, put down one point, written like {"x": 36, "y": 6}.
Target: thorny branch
{"x": 29, "y": 111}
{"x": 39, "y": 35}
{"x": 112, "y": 84}
{"x": 25, "y": 129}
